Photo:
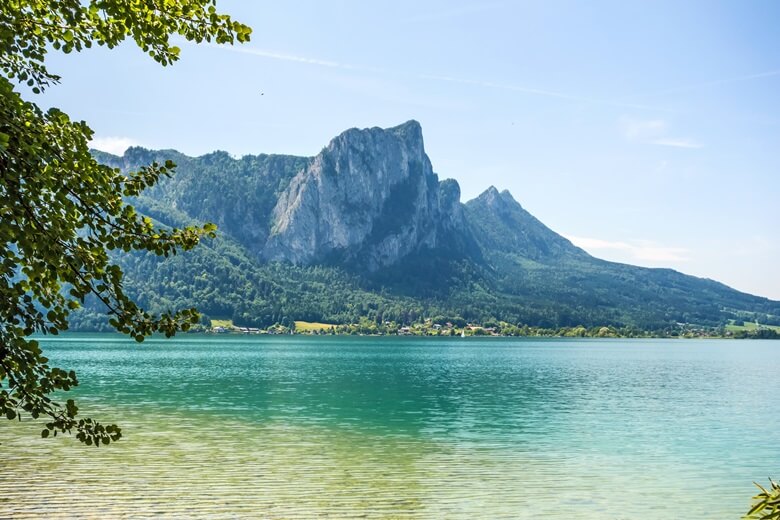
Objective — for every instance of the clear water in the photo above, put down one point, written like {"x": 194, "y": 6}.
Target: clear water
{"x": 289, "y": 427}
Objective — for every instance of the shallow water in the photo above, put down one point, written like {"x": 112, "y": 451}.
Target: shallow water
{"x": 287, "y": 427}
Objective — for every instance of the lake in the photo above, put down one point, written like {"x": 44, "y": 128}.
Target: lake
{"x": 343, "y": 427}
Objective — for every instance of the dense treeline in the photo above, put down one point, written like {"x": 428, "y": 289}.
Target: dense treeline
{"x": 223, "y": 281}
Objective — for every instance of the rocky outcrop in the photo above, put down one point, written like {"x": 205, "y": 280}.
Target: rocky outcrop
{"x": 368, "y": 199}
{"x": 500, "y": 223}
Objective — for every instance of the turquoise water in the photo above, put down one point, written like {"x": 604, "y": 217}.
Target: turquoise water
{"x": 288, "y": 427}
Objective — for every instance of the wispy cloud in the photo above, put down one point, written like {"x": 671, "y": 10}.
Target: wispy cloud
{"x": 113, "y": 145}
{"x": 639, "y": 250}
{"x": 503, "y": 86}
{"x": 677, "y": 143}
{"x": 541, "y": 92}
{"x": 305, "y": 60}
{"x": 284, "y": 57}
{"x": 706, "y": 84}
{"x": 640, "y": 129}
{"x": 653, "y": 131}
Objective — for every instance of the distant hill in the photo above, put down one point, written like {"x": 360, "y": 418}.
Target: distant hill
{"x": 367, "y": 229}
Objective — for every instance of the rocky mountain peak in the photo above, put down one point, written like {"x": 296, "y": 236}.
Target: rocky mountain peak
{"x": 507, "y": 196}
{"x": 407, "y": 135}
{"x": 369, "y": 198}
{"x": 411, "y": 132}
{"x": 496, "y": 200}
{"x": 501, "y": 224}
{"x": 490, "y": 196}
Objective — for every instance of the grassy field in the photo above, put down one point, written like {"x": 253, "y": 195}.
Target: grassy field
{"x": 222, "y": 323}
{"x": 305, "y": 326}
{"x": 750, "y": 326}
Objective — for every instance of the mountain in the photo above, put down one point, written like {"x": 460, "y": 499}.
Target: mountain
{"x": 367, "y": 200}
{"x": 366, "y": 229}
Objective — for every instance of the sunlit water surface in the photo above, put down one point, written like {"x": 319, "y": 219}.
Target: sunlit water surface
{"x": 289, "y": 427}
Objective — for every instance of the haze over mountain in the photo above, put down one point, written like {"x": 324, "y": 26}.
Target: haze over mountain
{"x": 366, "y": 228}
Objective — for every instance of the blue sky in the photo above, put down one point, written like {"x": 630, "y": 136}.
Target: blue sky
{"x": 647, "y": 132}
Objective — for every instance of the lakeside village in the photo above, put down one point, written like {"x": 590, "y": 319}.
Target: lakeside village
{"x": 430, "y": 327}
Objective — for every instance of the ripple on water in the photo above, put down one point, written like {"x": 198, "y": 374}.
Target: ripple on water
{"x": 414, "y": 430}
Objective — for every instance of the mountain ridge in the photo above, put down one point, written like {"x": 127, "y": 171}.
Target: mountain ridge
{"x": 370, "y": 211}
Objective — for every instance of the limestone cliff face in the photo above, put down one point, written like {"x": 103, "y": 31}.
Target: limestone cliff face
{"x": 369, "y": 198}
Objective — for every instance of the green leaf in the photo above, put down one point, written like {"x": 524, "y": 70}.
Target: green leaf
{"x": 61, "y": 212}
